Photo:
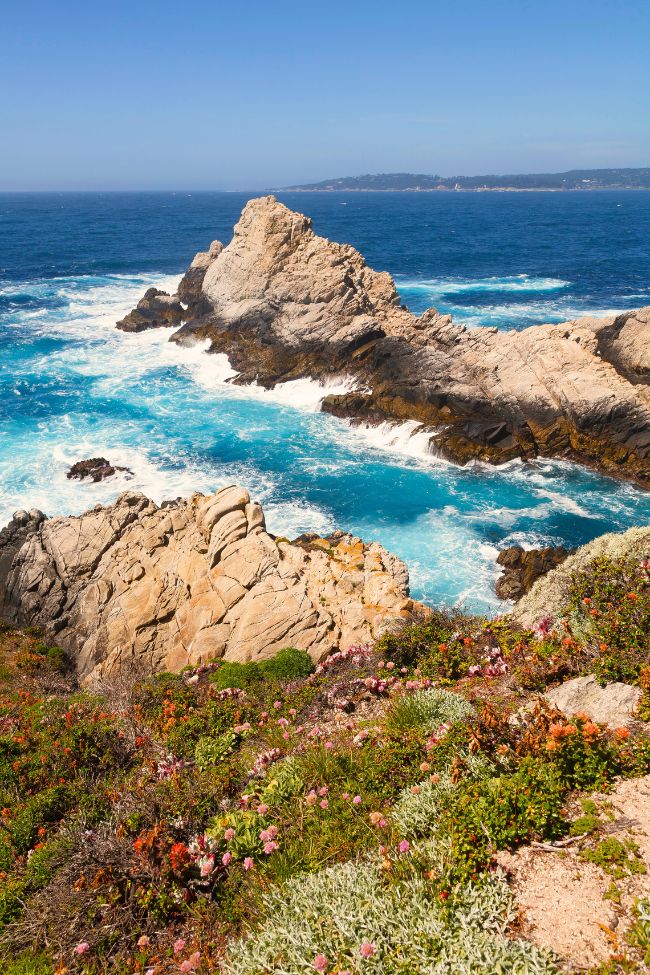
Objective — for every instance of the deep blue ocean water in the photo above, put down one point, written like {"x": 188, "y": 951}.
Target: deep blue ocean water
{"x": 72, "y": 386}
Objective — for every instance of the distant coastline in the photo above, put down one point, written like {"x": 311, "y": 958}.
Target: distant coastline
{"x": 584, "y": 180}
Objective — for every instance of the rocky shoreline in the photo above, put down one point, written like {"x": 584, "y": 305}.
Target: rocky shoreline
{"x": 134, "y": 585}
{"x": 283, "y": 303}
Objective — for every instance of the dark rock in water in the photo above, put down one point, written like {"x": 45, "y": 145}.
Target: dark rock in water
{"x": 521, "y": 568}
{"x": 156, "y": 309}
{"x": 97, "y": 468}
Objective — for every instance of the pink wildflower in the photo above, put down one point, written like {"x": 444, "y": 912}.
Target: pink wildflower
{"x": 345, "y": 795}
{"x": 324, "y": 803}
{"x": 143, "y": 941}
{"x": 229, "y": 835}
{"x": 248, "y": 863}
{"x": 367, "y": 950}
{"x": 329, "y": 745}
{"x": 226, "y": 859}
{"x": 357, "y": 800}
{"x": 404, "y": 846}
{"x": 207, "y": 866}
{"x": 262, "y": 809}
{"x": 179, "y": 945}
{"x": 82, "y": 948}
{"x": 277, "y": 705}
{"x": 270, "y": 847}
{"x": 320, "y": 963}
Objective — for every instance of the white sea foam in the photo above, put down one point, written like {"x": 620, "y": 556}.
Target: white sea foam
{"x": 406, "y": 439}
{"x": 451, "y": 286}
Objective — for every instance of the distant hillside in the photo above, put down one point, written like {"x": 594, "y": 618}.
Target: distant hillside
{"x": 574, "y": 179}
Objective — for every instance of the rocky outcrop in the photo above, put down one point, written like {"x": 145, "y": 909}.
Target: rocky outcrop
{"x": 614, "y": 704}
{"x": 522, "y": 567}
{"x": 283, "y": 303}
{"x": 95, "y": 468}
{"x": 193, "y": 580}
{"x": 190, "y": 288}
{"x": 548, "y": 596}
{"x": 12, "y": 538}
{"x": 157, "y": 309}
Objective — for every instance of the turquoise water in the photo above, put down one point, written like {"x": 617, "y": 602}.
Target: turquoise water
{"x": 71, "y": 386}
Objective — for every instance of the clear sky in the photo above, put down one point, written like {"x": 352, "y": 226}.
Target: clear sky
{"x": 207, "y": 94}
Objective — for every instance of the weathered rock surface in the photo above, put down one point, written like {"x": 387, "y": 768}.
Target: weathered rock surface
{"x": 156, "y": 309}
{"x": 195, "y": 579}
{"x": 614, "y": 704}
{"x": 548, "y": 595}
{"x": 96, "y": 468}
{"x": 190, "y": 289}
{"x": 283, "y": 303}
{"x": 522, "y": 567}
{"x": 12, "y": 538}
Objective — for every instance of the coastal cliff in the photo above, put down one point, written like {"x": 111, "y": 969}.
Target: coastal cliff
{"x": 194, "y": 580}
{"x": 283, "y": 303}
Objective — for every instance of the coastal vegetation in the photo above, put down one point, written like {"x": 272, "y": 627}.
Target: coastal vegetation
{"x": 345, "y": 817}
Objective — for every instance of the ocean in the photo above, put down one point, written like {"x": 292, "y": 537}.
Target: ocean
{"x": 72, "y": 386}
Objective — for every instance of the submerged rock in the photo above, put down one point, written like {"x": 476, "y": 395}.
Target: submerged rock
{"x": 157, "y": 309}
{"x": 96, "y": 468}
{"x": 522, "y": 567}
{"x": 195, "y": 579}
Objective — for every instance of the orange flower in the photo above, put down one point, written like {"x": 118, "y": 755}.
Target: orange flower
{"x": 623, "y": 733}
{"x": 590, "y": 730}
{"x": 632, "y": 595}
{"x": 556, "y": 730}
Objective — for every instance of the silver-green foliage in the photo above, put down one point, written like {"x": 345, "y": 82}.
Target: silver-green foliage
{"x": 427, "y": 710}
{"x": 335, "y": 911}
{"x": 417, "y": 814}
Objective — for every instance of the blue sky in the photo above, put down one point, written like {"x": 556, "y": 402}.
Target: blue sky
{"x": 248, "y": 95}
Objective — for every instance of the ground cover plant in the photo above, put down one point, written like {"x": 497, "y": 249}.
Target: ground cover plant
{"x": 281, "y": 817}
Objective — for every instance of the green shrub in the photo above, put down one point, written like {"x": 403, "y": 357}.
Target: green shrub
{"x": 211, "y": 751}
{"x": 28, "y": 963}
{"x": 46, "y": 807}
{"x": 414, "y": 643}
{"x": 609, "y": 605}
{"x": 426, "y": 710}
{"x": 288, "y": 664}
{"x": 639, "y": 933}
{"x": 616, "y": 857}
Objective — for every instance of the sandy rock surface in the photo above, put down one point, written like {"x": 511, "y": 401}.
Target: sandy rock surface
{"x": 561, "y": 896}
{"x": 192, "y": 580}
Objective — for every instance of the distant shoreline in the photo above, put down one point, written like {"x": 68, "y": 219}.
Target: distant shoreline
{"x": 629, "y": 178}
{"x": 466, "y": 189}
